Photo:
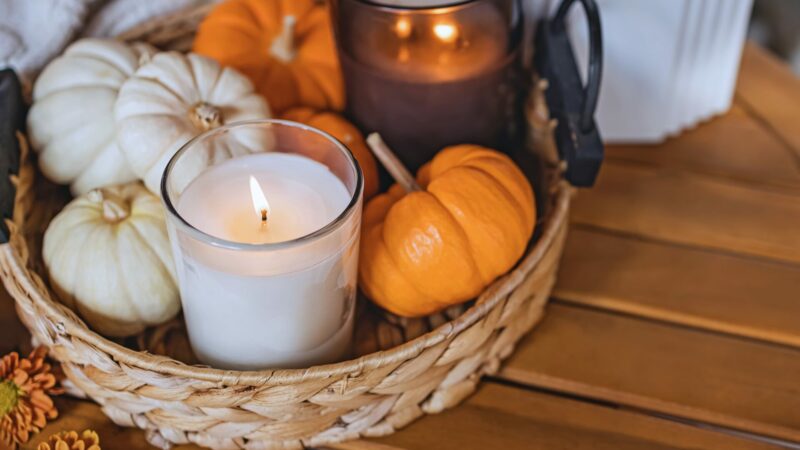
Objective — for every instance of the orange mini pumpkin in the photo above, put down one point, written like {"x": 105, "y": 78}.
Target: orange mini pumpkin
{"x": 285, "y": 47}
{"x": 471, "y": 222}
{"x": 338, "y": 127}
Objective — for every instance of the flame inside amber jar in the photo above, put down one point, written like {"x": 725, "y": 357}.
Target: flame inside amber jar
{"x": 402, "y": 28}
{"x": 446, "y": 32}
{"x": 428, "y": 46}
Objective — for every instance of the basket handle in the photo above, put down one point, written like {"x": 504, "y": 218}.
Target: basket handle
{"x": 595, "y": 67}
{"x": 12, "y": 121}
{"x": 571, "y": 103}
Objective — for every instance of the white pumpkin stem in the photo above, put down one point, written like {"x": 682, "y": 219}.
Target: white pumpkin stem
{"x": 393, "y": 165}
{"x": 205, "y": 116}
{"x": 115, "y": 208}
{"x": 283, "y": 46}
{"x": 144, "y": 58}
{"x": 144, "y": 51}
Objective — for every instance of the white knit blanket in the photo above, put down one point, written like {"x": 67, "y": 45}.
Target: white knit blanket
{"x": 32, "y": 32}
{"x": 121, "y": 15}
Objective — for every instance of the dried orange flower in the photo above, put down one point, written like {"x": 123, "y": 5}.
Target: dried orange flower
{"x": 69, "y": 440}
{"x": 25, "y": 405}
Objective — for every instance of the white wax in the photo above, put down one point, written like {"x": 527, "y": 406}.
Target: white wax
{"x": 303, "y": 196}
{"x": 267, "y": 307}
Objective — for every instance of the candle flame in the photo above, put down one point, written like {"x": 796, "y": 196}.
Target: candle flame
{"x": 402, "y": 27}
{"x": 260, "y": 203}
{"x": 446, "y": 32}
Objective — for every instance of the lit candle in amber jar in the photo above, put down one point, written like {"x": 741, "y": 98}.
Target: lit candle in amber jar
{"x": 430, "y": 74}
{"x": 433, "y": 49}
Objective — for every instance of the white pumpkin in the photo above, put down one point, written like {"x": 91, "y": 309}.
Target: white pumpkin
{"x": 108, "y": 257}
{"x": 71, "y": 121}
{"x": 172, "y": 99}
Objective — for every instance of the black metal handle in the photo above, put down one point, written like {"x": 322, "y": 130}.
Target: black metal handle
{"x": 571, "y": 102}
{"x": 591, "y": 91}
{"x": 12, "y": 120}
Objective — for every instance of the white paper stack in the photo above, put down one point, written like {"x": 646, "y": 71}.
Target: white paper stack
{"x": 668, "y": 64}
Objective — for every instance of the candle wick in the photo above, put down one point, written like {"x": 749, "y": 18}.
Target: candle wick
{"x": 264, "y": 216}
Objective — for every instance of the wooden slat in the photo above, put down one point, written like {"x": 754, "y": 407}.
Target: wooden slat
{"x": 721, "y": 292}
{"x": 499, "y": 417}
{"x": 496, "y": 417}
{"x": 731, "y": 382}
{"x": 771, "y": 91}
{"x": 734, "y": 146}
{"x": 686, "y": 208}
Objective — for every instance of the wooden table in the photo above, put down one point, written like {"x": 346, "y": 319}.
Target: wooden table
{"x": 676, "y": 320}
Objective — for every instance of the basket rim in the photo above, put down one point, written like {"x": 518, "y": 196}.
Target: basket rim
{"x": 491, "y": 296}
{"x": 70, "y": 324}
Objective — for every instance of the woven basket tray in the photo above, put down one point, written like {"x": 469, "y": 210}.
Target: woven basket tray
{"x": 407, "y": 368}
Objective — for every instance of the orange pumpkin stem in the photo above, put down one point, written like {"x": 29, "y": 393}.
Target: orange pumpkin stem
{"x": 393, "y": 165}
{"x": 283, "y": 47}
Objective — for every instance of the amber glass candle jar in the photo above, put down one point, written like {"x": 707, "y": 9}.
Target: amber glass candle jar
{"x": 426, "y": 74}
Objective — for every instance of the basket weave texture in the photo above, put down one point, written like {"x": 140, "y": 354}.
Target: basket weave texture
{"x": 409, "y": 367}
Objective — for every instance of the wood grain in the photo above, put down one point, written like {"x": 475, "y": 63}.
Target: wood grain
{"x": 703, "y": 376}
{"x": 500, "y": 417}
{"x": 709, "y": 290}
{"x": 734, "y": 146}
{"x": 685, "y": 208}
{"x": 496, "y": 416}
{"x": 771, "y": 92}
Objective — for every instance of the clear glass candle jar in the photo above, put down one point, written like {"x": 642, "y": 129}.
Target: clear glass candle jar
{"x": 427, "y": 74}
{"x": 264, "y": 220}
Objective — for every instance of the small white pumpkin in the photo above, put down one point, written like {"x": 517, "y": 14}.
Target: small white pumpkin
{"x": 172, "y": 99}
{"x": 71, "y": 121}
{"x": 108, "y": 257}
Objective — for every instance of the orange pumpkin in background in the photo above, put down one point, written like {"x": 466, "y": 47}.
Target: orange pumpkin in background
{"x": 338, "y": 127}
{"x": 426, "y": 250}
{"x": 285, "y": 47}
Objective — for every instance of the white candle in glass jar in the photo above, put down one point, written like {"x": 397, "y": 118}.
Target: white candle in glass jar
{"x": 285, "y": 297}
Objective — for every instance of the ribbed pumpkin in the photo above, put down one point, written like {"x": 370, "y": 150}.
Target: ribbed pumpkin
{"x": 424, "y": 251}
{"x": 176, "y": 97}
{"x": 71, "y": 121}
{"x": 108, "y": 256}
{"x": 285, "y": 47}
{"x": 338, "y": 127}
